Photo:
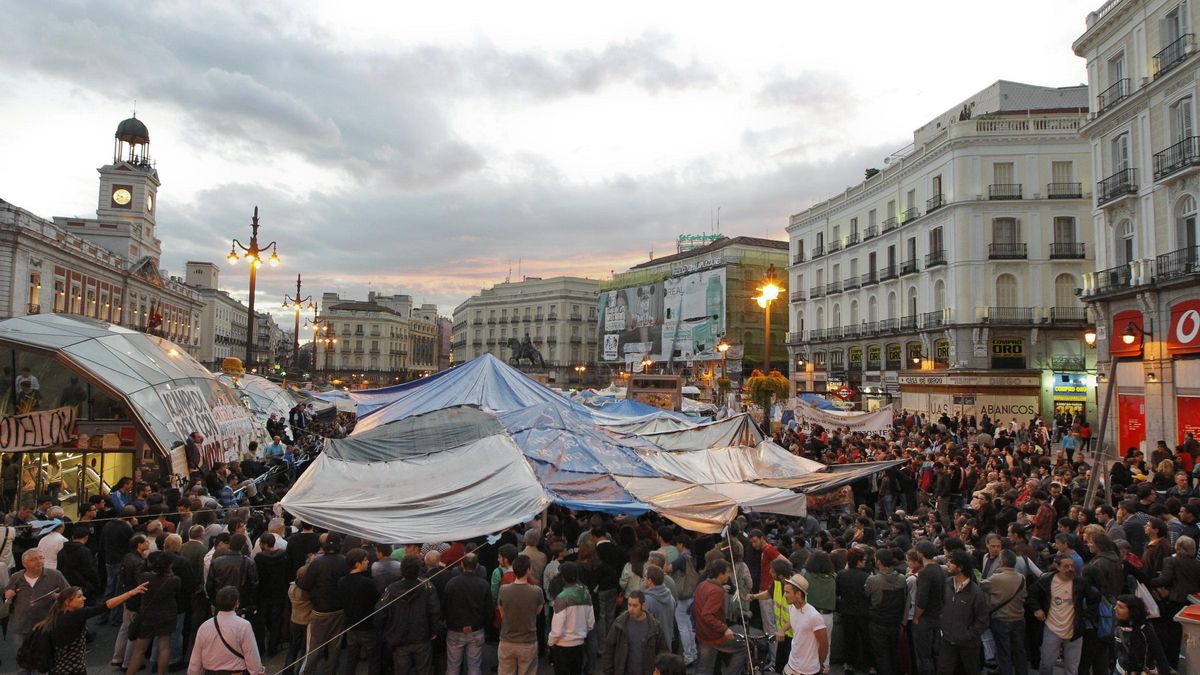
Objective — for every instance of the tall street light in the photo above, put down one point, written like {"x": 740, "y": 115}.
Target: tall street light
{"x": 316, "y": 326}
{"x": 296, "y": 302}
{"x": 723, "y": 347}
{"x": 253, "y": 256}
{"x": 768, "y": 293}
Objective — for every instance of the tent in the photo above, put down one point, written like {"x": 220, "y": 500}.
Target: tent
{"x": 736, "y": 430}
{"x": 262, "y": 396}
{"x": 485, "y": 382}
{"x": 446, "y": 476}
{"x": 839, "y": 475}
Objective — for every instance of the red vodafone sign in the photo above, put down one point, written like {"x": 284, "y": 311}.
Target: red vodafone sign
{"x": 1184, "y": 336}
{"x": 845, "y": 393}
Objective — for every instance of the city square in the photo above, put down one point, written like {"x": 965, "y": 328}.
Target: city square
{"x": 647, "y": 340}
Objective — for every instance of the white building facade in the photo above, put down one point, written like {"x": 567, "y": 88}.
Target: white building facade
{"x": 222, "y": 329}
{"x": 947, "y": 281}
{"x": 1142, "y": 67}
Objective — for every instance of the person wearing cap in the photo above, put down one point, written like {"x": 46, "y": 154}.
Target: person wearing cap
{"x": 888, "y": 592}
{"x": 810, "y": 636}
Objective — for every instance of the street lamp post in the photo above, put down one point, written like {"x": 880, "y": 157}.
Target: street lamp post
{"x": 253, "y": 256}
{"x": 581, "y": 369}
{"x": 767, "y": 293}
{"x": 297, "y": 303}
{"x": 316, "y": 326}
{"x": 723, "y": 347}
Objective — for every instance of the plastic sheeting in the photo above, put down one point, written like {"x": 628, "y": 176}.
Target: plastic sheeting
{"x": 262, "y": 396}
{"x": 764, "y": 499}
{"x": 451, "y": 495}
{"x": 649, "y": 424}
{"x": 842, "y": 474}
{"x": 421, "y": 434}
{"x": 736, "y": 430}
{"x": 768, "y": 464}
{"x": 485, "y": 382}
{"x": 693, "y": 507}
{"x": 569, "y": 441}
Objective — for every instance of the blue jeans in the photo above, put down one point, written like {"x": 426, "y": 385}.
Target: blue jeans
{"x": 1010, "y": 646}
{"x": 1071, "y": 649}
{"x": 110, "y": 591}
{"x": 456, "y": 643}
{"x": 736, "y": 649}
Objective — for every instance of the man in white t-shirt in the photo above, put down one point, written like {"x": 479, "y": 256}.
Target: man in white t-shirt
{"x": 810, "y": 640}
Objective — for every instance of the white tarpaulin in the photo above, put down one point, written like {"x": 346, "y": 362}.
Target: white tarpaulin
{"x": 648, "y": 424}
{"x": 767, "y": 464}
{"x": 694, "y": 507}
{"x": 764, "y": 499}
{"x": 736, "y": 430}
{"x": 455, "y": 494}
{"x": 877, "y": 422}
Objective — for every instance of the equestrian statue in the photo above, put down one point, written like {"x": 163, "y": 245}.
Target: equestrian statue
{"x": 524, "y": 350}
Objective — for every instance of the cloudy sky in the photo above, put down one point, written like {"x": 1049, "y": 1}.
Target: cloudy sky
{"x": 424, "y": 148}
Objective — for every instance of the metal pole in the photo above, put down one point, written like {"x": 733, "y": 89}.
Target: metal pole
{"x": 296, "y": 335}
{"x": 250, "y": 313}
{"x": 1100, "y": 455}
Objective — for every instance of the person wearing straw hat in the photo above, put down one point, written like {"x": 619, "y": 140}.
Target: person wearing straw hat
{"x": 810, "y": 639}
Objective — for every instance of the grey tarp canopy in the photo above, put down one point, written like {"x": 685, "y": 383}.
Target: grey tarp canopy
{"x": 736, "y": 430}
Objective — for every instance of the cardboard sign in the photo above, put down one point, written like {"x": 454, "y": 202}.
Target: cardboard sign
{"x": 36, "y": 430}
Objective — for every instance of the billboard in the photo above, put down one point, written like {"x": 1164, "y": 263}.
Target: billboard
{"x": 682, "y": 317}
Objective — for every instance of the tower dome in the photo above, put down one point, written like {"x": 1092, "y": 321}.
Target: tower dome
{"x": 132, "y": 142}
{"x": 132, "y": 131}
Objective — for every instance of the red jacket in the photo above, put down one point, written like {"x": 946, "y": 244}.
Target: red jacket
{"x": 766, "y": 580}
{"x": 708, "y": 609}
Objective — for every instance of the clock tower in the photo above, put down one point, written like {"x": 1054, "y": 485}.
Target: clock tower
{"x": 128, "y": 198}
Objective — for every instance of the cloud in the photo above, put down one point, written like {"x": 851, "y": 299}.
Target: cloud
{"x": 819, "y": 93}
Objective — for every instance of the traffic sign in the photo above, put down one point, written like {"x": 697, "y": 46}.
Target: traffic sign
{"x": 844, "y": 392}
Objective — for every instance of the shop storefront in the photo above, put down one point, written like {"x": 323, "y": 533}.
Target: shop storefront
{"x": 1000, "y": 397}
{"x": 1069, "y": 393}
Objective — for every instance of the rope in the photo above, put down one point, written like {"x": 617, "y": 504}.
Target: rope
{"x": 373, "y": 613}
{"x": 168, "y": 513}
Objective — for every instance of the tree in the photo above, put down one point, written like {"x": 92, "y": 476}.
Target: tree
{"x": 762, "y": 388}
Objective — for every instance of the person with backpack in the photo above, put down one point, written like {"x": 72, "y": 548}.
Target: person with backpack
{"x": 1058, "y": 600}
{"x": 57, "y": 644}
{"x": 1138, "y": 646}
{"x": 686, "y": 578}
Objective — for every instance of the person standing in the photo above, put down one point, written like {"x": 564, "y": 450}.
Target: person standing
{"x": 358, "y": 598}
{"x": 273, "y": 569}
{"x": 467, "y": 606}
{"x": 157, "y": 610}
{"x": 634, "y": 641}
{"x": 810, "y": 635}
{"x": 1058, "y": 598}
{"x": 927, "y": 613}
{"x": 326, "y": 622}
{"x": 964, "y": 617}
{"x": 713, "y": 635}
{"x": 31, "y": 593}
{"x": 766, "y": 582}
{"x": 225, "y": 643}
{"x": 887, "y": 590}
{"x": 659, "y": 602}
{"x": 573, "y": 618}
{"x": 519, "y": 604}
{"x": 1006, "y": 591}
{"x": 301, "y": 614}
{"x": 854, "y": 610}
{"x": 409, "y": 618}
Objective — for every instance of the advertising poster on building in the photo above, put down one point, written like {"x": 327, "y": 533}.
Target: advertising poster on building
{"x": 1131, "y": 416}
{"x": 1187, "y": 416}
{"x": 633, "y": 318}
{"x": 693, "y": 316}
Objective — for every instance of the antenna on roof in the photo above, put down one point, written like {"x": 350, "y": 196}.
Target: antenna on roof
{"x": 508, "y": 277}
{"x": 135, "y": 107}
{"x": 718, "y": 220}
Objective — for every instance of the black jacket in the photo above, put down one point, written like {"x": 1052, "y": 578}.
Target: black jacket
{"x": 1039, "y": 598}
{"x": 965, "y": 614}
{"x": 467, "y": 602}
{"x": 412, "y": 619}
{"x": 132, "y": 565}
{"x": 114, "y": 541}
{"x": 299, "y": 545}
{"x": 231, "y": 568}
{"x": 78, "y": 565}
{"x": 273, "y": 571}
{"x": 616, "y": 647}
{"x": 321, "y": 582}
{"x": 852, "y": 597}
{"x": 358, "y": 599}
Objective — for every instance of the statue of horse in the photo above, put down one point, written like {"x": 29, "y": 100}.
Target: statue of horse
{"x": 524, "y": 350}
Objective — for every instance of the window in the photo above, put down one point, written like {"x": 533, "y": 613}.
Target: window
{"x": 912, "y": 301}
{"x": 1116, "y": 71}
{"x": 892, "y": 309}
{"x": 1006, "y": 291}
{"x": 1005, "y": 231}
{"x": 820, "y": 318}
{"x": 853, "y": 269}
{"x": 891, "y": 256}
{"x": 939, "y": 295}
{"x": 1002, "y": 173}
{"x": 1185, "y": 224}
{"x": 853, "y": 227}
{"x": 910, "y": 200}
{"x": 837, "y": 233}
{"x": 1120, "y": 153}
{"x": 1181, "y": 119}
{"x": 1062, "y": 172}
{"x": 1172, "y": 25}
{"x": 1125, "y": 244}
{"x": 912, "y": 248}
{"x": 800, "y": 321}
{"x": 936, "y": 186}
{"x": 837, "y": 273}
{"x": 871, "y": 219}
{"x": 853, "y": 312}
{"x": 872, "y": 310}
{"x": 891, "y": 209}
{"x": 820, "y": 277}
{"x": 820, "y": 240}
{"x": 935, "y": 240}
{"x": 1064, "y": 230}
{"x": 1064, "y": 291}
{"x": 837, "y": 316}
{"x": 35, "y": 287}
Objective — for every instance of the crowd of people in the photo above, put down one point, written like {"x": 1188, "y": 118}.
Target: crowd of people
{"x": 975, "y": 554}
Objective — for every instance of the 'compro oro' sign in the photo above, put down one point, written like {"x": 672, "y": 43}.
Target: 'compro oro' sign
{"x": 36, "y": 430}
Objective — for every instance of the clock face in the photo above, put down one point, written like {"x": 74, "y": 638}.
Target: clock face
{"x": 122, "y": 196}
{"x": 150, "y": 203}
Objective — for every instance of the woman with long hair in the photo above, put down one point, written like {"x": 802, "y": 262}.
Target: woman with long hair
{"x": 156, "y": 613}
{"x": 66, "y": 623}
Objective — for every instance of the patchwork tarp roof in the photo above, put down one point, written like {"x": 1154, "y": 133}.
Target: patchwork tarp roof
{"x": 737, "y": 430}
{"x": 484, "y": 382}
{"x": 262, "y": 396}
{"x": 162, "y": 385}
{"x": 421, "y": 493}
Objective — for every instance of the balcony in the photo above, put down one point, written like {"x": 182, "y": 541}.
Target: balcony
{"x": 552, "y": 317}
{"x": 934, "y": 319}
{"x": 1175, "y": 264}
{"x": 1064, "y": 190}
{"x": 576, "y": 338}
{"x": 1009, "y": 251}
{"x": 851, "y": 239}
{"x": 816, "y": 292}
{"x": 850, "y": 284}
{"x": 475, "y": 322}
{"x": 1019, "y": 316}
{"x": 934, "y": 203}
{"x": 818, "y": 251}
{"x": 1119, "y": 91}
{"x": 816, "y": 335}
{"x": 1004, "y": 191}
{"x": 890, "y": 224}
{"x": 1112, "y": 279}
{"x": 795, "y": 338}
{"x": 833, "y": 287}
{"x": 910, "y": 215}
{"x": 851, "y": 332}
{"x": 1063, "y": 250}
{"x": 888, "y": 273}
{"x": 869, "y": 278}
{"x": 1121, "y": 184}
{"x": 1066, "y": 364}
{"x": 887, "y": 326}
{"x": 835, "y": 246}
{"x": 798, "y": 258}
{"x": 1068, "y": 315}
{"x": 1183, "y": 155}
{"x": 1172, "y": 55}
{"x": 551, "y": 339}
{"x": 908, "y": 323}
{"x": 576, "y": 317}
{"x": 797, "y": 296}
{"x": 503, "y": 320}
{"x": 834, "y": 333}
{"x": 539, "y": 317}
{"x": 491, "y": 322}
{"x": 33, "y": 308}
{"x": 908, "y": 267}
{"x": 869, "y": 328}
{"x": 870, "y": 233}
{"x": 935, "y": 258}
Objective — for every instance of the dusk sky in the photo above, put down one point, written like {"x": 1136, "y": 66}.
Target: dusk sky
{"x": 421, "y": 149}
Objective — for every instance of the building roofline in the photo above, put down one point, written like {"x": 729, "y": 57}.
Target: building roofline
{"x": 715, "y": 246}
